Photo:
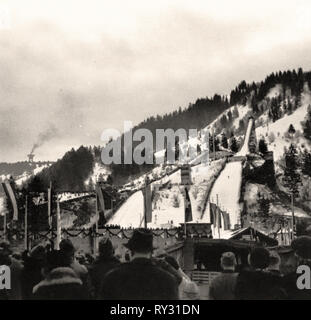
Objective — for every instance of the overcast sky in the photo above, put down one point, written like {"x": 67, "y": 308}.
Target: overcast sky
{"x": 70, "y": 69}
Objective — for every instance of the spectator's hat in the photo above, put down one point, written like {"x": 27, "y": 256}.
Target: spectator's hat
{"x": 302, "y": 247}
{"x": 38, "y": 252}
{"x": 5, "y": 248}
{"x": 105, "y": 247}
{"x": 228, "y": 259}
{"x": 141, "y": 241}
{"x": 259, "y": 258}
{"x": 66, "y": 246}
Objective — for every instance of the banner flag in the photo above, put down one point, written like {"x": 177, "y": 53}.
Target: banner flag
{"x": 10, "y": 193}
{"x": 218, "y": 214}
{"x": 188, "y": 208}
{"x": 212, "y": 208}
{"x": 147, "y": 203}
{"x": 58, "y": 226}
{"x": 100, "y": 201}
{"x": 226, "y": 219}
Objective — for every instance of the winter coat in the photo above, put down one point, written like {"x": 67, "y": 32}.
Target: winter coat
{"x": 259, "y": 285}
{"x": 140, "y": 279}
{"x": 31, "y": 276}
{"x": 99, "y": 269}
{"x": 61, "y": 284}
{"x": 223, "y": 286}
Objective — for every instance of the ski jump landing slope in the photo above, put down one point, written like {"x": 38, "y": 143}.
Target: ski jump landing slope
{"x": 227, "y": 188}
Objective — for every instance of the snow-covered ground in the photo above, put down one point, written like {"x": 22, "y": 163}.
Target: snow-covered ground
{"x": 245, "y": 149}
{"x": 168, "y": 204}
{"x": 226, "y": 193}
{"x": 274, "y": 132}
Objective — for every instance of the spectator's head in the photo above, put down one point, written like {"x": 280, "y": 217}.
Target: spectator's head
{"x": 53, "y": 260}
{"x": 302, "y": 248}
{"x": 259, "y": 258}
{"x": 228, "y": 261}
{"x": 67, "y": 251}
{"x": 105, "y": 248}
{"x": 66, "y": 247}
{"x": 274, "y": 261}
{"x": 141, "y": 243}
{"x": 5, "y": 252}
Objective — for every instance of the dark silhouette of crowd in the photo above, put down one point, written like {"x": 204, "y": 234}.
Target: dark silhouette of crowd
{"x": 64, "y": 274}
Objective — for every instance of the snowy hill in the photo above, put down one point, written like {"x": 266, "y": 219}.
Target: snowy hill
{"x": 168, "y": 204}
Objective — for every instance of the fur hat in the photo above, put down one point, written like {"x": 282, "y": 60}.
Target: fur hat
{"x": 141, "y": 241}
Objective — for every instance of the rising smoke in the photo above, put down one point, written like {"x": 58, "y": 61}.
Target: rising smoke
{"x": 45, "y": 136}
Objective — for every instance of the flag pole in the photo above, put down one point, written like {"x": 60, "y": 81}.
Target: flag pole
{"x": 217, "y": 217}
{"x": 214, "y": 149}
{"x": 145, "y": 207}
{"x": 4, "y": 226}
{"x": 26, "y": 223}
{"x": 58, "y": 225}
{"x": 96, "y": 223}
{"x": 49, "y": 204}
{"x": 293, "y": 216}
{"x": 185, "y": 227}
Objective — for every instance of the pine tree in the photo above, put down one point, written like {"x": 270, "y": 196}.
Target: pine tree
{"x": 291, "y": 177}
{"x": 90, "y": 185}
{"x": 109, "y": 179}
{"x": 262, "y": 146}
{"x": 224, "y": 141}
{"x": 307, "y": 125}
{"x": 264, "y": 206}
{"x": 235, "y": 112}
{"x": 254, "y": 104}
{"x": 291, "y": 130}
{"x": 234, "y": 145}
{"x": 306, "y": 163}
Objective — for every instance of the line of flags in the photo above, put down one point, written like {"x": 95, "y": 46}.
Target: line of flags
{"x": 219, "y": 218}
{"x": 103, "y": 204}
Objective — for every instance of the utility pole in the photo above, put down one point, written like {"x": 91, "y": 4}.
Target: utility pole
{"x": 4, "y": 226}
{"x": 214, "y": 149}
{"x": 293, "y": 216}
{"x": 26, "y": 223}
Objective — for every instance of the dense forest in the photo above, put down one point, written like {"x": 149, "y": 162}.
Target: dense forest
{"x": 68, "y": 173}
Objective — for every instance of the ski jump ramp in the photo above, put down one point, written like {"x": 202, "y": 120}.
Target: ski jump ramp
{"x": 226, "y": 190}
